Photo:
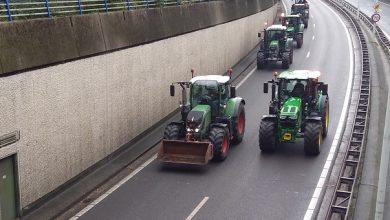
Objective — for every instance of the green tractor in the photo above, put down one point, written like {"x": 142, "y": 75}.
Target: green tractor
{"x": 299, "y": 108}
{"x": 295, "y": 28}
{"x": 276, "y": 46}
{"x": 212, "y": 117}
{"x": 303, "y": 10}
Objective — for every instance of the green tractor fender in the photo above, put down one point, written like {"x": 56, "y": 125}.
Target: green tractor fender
{"x": 232, "y": 107}
{"x": 289, "y": 44}
{"x": 301, "y": 28}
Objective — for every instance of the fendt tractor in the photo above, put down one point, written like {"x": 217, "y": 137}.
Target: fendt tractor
{"x": 299, "y": 108}
{"x": 303, "y": 11}
{"x": 275, "y": 46}
{"x": 295, "y": 27}
{"x": 212, "y": 117}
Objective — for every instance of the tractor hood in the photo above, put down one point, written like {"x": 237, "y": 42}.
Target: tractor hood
{"x": 197, "y": 116}
{"x": 291, "y": 108}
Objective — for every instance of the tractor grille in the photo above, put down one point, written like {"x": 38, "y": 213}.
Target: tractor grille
{"x": 288, "y": 123}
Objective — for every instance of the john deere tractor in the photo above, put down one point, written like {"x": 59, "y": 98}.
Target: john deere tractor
{"x": 275, "y": 46}
{"x": 294, "y": 28}
{"x": 299, "y": 108}
{"x": 212, "y": 118}
{"x": 303, "y": 10}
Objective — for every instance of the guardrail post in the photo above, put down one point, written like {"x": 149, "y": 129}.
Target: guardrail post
{"x": 128, "y": 5}
{"x": 147, "y": 3}
{"x": 106, "y": 5}
{"x": 8, "y": 10}
{"x": 177, "y": 2}
{"x": 47, "y": 8}
{"x": 80, "y": 7}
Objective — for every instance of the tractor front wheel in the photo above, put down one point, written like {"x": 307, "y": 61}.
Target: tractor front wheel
{"x": 220, "y": 139}
{"x": 260, "y": 60}
{"x": 173, "y": 132}
{"x": 267, "y": 136}
{"x": 286, "y": 60}
{"x": 291, "y": 56}
{"x": 299, "y": 40}
{"x": 239, "y": 125}
{"x": 313, "y": 137}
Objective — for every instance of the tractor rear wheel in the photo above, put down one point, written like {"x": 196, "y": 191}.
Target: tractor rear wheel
{"x": 291, "y": 56}
{"x": 239, "y": 125}
{"x": 306, "y": 23}
{"x": 299, "y": 40}
{"x": 312, "y": 137}
{"x": 286, "y": 60}
{"x": 260, "y": 60}
{"x": 220, "y": 139}
{"x": 325, "y": 118}
{"x": 173, "y": 132}
{"x": 267, "y": 136}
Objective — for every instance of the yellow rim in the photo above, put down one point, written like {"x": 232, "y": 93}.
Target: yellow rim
{"x": 327, "y": 117}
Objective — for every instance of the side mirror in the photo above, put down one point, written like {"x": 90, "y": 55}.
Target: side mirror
{"x": 259, "y": 34}
{"x": 324, "y": 89}
{"x": 265, "y": 87}
{"x": 172, "y": 90}
{"x": 232, "y": 92}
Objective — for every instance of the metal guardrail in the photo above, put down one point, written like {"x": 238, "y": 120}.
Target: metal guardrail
{"x": 384, "y": 42}
{"x": 342, "y": 199}
{"x": 28, "y": 9}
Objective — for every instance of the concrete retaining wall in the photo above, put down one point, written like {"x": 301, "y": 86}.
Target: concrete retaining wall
{"x": 34, "y": 43}
{"x": 74, "y": 114}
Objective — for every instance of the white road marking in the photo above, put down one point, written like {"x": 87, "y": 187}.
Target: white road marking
{"x": 340, "y": 127}
{"x": 314, "y": 37}
{"x": 312, "y": 17}
{"x": 246, "y": 77}
{"x": 197, "y": 208}
{"x": 314, "y": 25}
{"x": 123, "y": 181}
{"x": 308, "y": 54}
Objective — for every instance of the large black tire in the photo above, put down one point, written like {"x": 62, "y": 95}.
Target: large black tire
{"x": 286, "y": 60}
{"x": 261, "y": 60}
{"x": 299, "y": 40}
{"x": 220, "y": 139}
{"x": 267, "y": 136}
{"x": 306, "y": 23}
{"x": 312, "y": 137}
{"x": 239, "y": 125}
{"x": 173, "y": 132}
{"x": 325, "y": 118}
{"x": 291, "y": 56}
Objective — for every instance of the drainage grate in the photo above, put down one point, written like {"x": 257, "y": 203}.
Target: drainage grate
{"x": 9, "y": 138}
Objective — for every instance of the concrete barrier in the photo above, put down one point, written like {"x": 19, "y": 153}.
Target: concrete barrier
{"x": 74, "y": 114}
{"x": 34, "y": 43}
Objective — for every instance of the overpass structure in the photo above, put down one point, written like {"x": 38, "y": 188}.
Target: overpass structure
{"x": 85, "y": 121}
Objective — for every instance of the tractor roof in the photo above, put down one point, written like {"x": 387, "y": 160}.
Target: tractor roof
{"x": 292, "y": 16}
{"x": 220, "y": 79}
{"x": 299, "y": 74}
{"x": 276, "y": 27}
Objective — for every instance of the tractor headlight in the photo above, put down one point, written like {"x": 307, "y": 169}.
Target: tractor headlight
{"x": 197, "y": 130}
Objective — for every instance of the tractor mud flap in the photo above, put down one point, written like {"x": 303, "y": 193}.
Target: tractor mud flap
{"x": 187, "y": 152}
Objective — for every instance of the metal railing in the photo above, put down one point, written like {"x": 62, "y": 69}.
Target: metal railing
{"x": 345, "y": 188}
{"x": 29, "y": 9}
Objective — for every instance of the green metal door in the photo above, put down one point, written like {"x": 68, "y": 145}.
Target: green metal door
{"x": 7, "y": 189}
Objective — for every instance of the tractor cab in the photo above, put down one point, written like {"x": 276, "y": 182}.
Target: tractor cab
{"x": 293, "y": 23}
{"x": 303, "y": 11}
{"x": 211, "y": 92}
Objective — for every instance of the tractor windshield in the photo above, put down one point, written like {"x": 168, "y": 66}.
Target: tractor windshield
{"x": 292, "y": 22}
{"x": 292, "y": 87}
{"x": 204, "y": 92}
{"x": 275, "y": 35}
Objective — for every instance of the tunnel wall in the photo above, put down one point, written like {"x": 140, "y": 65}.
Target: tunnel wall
{"x": 34, "y": 43}
{"x": 74, "y": 114}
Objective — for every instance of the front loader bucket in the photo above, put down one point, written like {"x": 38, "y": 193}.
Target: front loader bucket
{"x": 188, "y": 152}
